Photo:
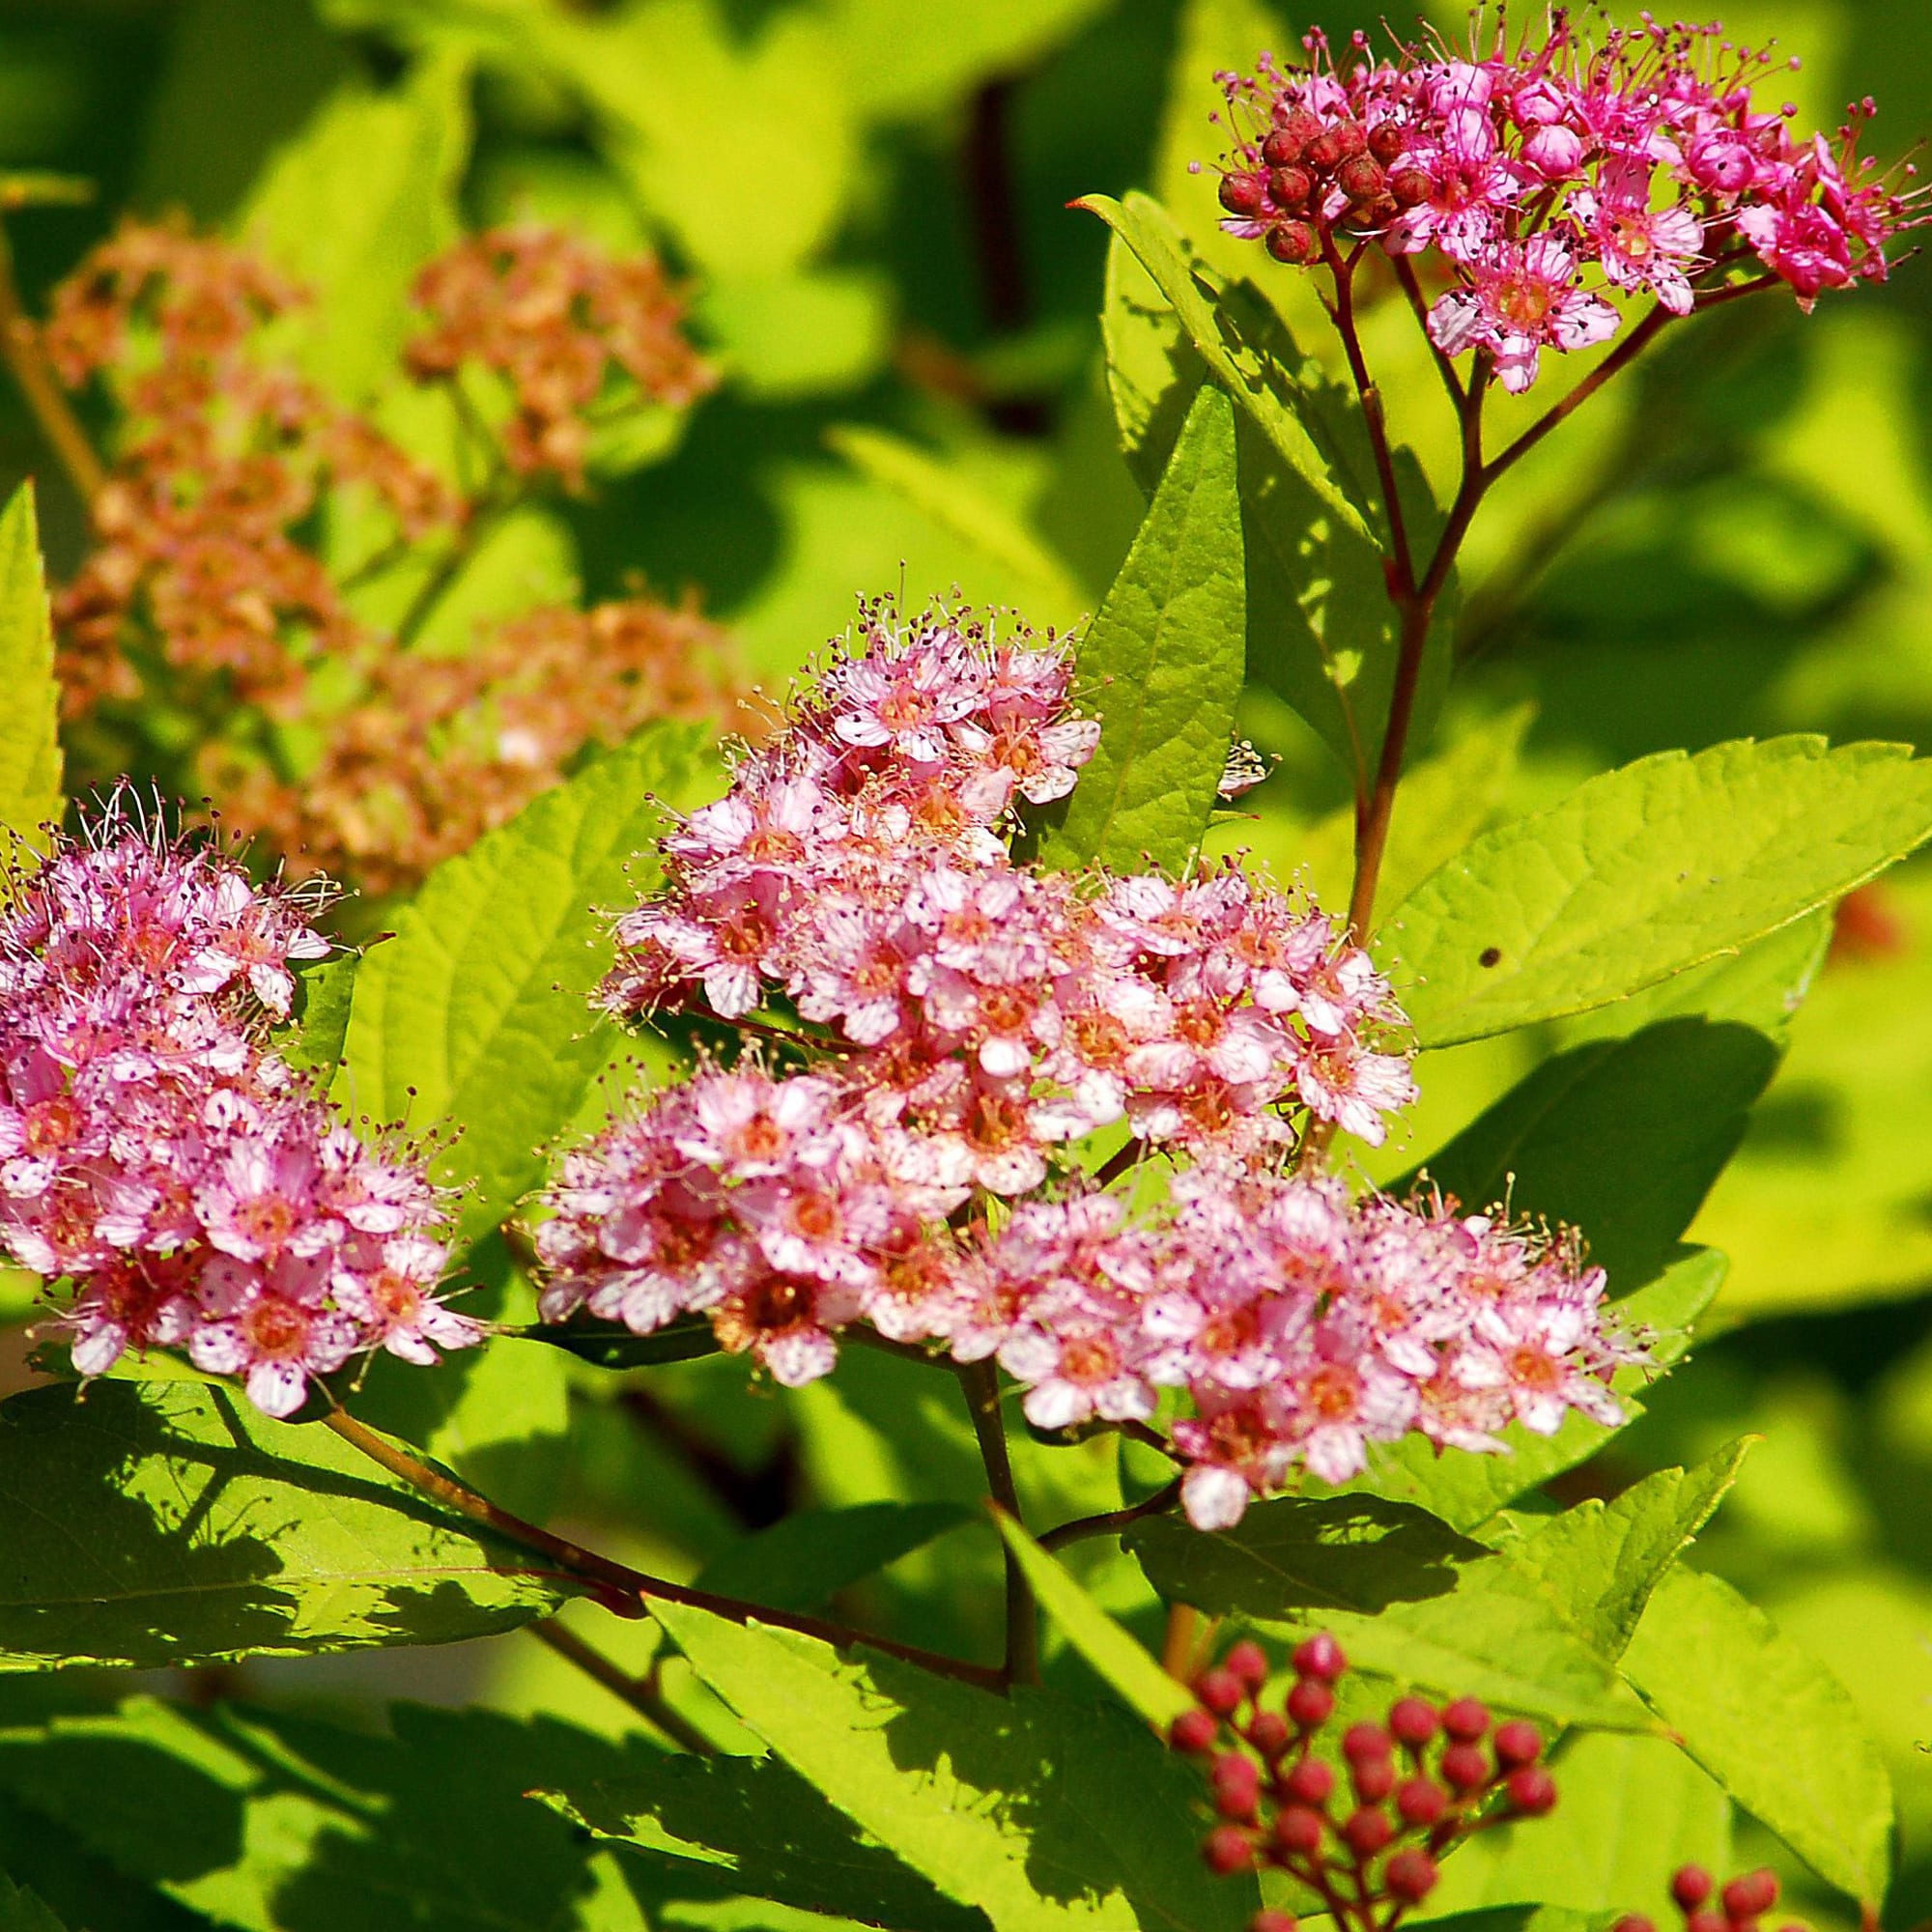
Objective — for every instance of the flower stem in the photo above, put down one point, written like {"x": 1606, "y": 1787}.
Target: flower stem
{"x": 980, "y": 1383}
{"x": 626, "y": 1591}
{"x": 27, "y": 363}
{"x": 1109, "y": 1521}
{"x": 640, "y": 1693}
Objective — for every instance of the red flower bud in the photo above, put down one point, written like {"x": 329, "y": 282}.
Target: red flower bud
{"x": 1410, "y": 187}
{"x": 1311, "y": 1705}
{"x": 1227, "y": 1850}
{"x": 1288, "y": 140}
{"x": 1248, "y": 1662}
{"x": 1410, "y": 1876}
{"x": 1291, "y": 187}
{"x": 1364, "y": 1740}
{"x": 1532, "y": 1791}
{"x": 1268, "y": 1920}
{"x": 1236, "y": 1786}
{"x": 1412, "y": 1721}
{"x": 1690, "y": 1887}
{"x": 1292, "y": 242}
{"x": 1466, "y": 1721}
{"x": 1465, "y": 1767}
{"x": 1421, "y": 1801}
{"x": 1362, "y": 179}
{"x": 1310, "y": 1781}
{"x": 1221, "y": 1690}
{"x": 1269, "y": 1733}
{"x": 1193, "y": 1731}
{"x": 1707, "y": 1921}
{"x": 1387, "y": 140}
{"x": 1756, "y": 1892}
{"x": 1298, "y": 1831}
{"x": 1374, "y": 1778}
{"x": 1320, "y": 1655}
{"x": 1518, "y": 1744}
{"x": 1635, "y": 1921}
{"x": 1367, "y": 1830}
{"x": 1243, "y": 194}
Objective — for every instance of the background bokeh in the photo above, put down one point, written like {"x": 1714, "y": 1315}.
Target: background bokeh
{"x": 868, "y": 200}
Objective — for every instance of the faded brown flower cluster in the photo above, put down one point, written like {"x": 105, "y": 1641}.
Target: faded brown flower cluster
{"x": 576, "y": 338}
{"x": 206, "y": 591}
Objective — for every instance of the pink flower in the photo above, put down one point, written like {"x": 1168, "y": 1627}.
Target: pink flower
{"x": 1522, "y": 298}
{"x": 1641, "y": 246}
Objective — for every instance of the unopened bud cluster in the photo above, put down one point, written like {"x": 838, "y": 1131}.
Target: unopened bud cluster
{"x": 1364, "y": 1822}
{"x": 1704, "y": 1907}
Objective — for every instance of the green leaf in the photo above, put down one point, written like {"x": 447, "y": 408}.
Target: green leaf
{"x": 30, "y": 753}
{"x": 322, "y": 996}
{"x": 1165, "y": 657}
{"x": 609, "y": 1344}
{"x": 168, "y": 1523}
{"x": 1322, "y": 633}
{"x": 1599, "y": 1562}
{"x": 802, "y": 1562}
{"x": 1117, "y": 1658}
{"x": 958, "y": 505}
{"x": 270, "y": 1822}
{"x": 1621, "y": 1138}
{"x": 756, "y": 1820}
{"x": 1524, "y": 1918}
{"x": 1260, "y": 371}
{"x": 1041, "y": 1810}
{"x": 1406, "y": 1596}
{"x": 1771, "y": 1724}
{"x": 1297, "y": 1553}
{"x": 22, "y": 1912}
{"x": 353, "y": 205}
{"x": 1644, "y": 871}
{"x": 1466, "y": 1491}
{"x": 474, "y": 1015}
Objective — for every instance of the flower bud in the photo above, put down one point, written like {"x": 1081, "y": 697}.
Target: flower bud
{"x": 1412, "y": 1721}
{"x": 1374, "y": 1778}
{"x": 1756, "y": 1892}
{"x": 1236, "y": 1786}
{"x": 1226, "y": 1851}
{"x": 1532, "y": 1791}
{"x": 1689, "y": 1887}
{"x": 1290, "y": 187}
{"x": 1466, "y": 1721}
{"x": 1635, "y": 1921}
{"x": 1365, "y": 1741}
{"x": 1268, "y": 1920}
{"x": 1298, "y": 1829}
{"x": 1421, "y": 1801}
{"x": 1465, "y": 1768}
{"x": 1248, "y": 1663}
{"x": 1707, "y": 1921}
{"x": 1410, "y": 187}
{"x": 1310, "y": 1781}
{"x": 1367, "y": 1830}
{"x": 1320, "y": 1655}
{"x": 1220, "y": 1691}
{"x": 1288, "y": 139}
{"x": 1292, "y": 242}
{"x": 1387, "y": 140}
{"x": 1269, "y": 1733}
{"x": 1243, "y": 193}
{"x": 1311, "y": 1705}
{"x": 1362, "y": 179}
{"x": 1410, "y": 1876}
{"x": 1518, "y": 1744}
{"x": 1192, "y": 1731}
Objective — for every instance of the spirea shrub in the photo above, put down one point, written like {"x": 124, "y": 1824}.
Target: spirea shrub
{"x": 914, "y": 1079}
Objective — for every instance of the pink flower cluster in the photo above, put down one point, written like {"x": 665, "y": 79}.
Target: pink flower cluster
{"x": 859, "y": 868}
{"x": 155, "y": 1151}
{"x": 1547, "y": 178}
{"x": 1301, "y": 1324}
{"x": 960, "y": 1019}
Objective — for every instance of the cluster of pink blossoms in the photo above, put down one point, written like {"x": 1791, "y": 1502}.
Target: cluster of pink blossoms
{"x": 1645, "y": 160}
{"x": 948, "y": 1020}
{"x": 157, "y": 1153}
